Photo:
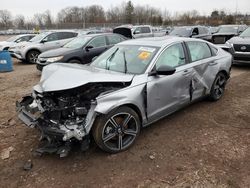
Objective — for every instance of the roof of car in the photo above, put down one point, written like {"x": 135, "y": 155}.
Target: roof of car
{"x": 97, "y": 34}
{"x": 23, "y": 35}
{"x": 190, "y": 26}
{"x": 157, "y": 41}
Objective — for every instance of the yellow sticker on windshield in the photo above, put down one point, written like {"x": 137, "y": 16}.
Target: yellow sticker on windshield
{"x": 144, "y": 55}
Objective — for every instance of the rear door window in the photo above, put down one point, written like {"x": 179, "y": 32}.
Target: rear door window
{"x": 53, "y": 37}
{"x": 198, "y": 50}
{"x": 114, "y": 39}
{"x": 98, "y": 42}
{"x": 67, "y": 35}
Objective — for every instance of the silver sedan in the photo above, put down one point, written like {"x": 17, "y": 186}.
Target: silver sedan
{"x": 130, "y": 86}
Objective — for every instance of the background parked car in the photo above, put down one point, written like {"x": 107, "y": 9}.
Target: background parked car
{"x": 200, "y": 32}
{"x": 5, "y": 45}
{"x": 80, "y": 50}
{"x": 239, "y": 47}
{"x": 88, "y": 32}
{"x": 226, "y": 32}
{"x": 130, "y": 31}
{"x": 29, "y": 51}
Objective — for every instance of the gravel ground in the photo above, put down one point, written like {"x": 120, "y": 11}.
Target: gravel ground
{"x": 204, "y": 145}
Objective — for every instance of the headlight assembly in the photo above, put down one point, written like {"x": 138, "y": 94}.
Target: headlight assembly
{"x": 54, "y": 59}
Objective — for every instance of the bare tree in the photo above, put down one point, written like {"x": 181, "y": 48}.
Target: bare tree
{"x": 38, "y": 17}
{"x": 47, "y": 19}
{"x": 5, "y": 18}
{"x": 19, "y": 21}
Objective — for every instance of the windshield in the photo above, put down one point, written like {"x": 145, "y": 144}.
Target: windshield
{"x": 78, "y": 42}
{"x": 12, "y": 39}
{"x": 181, "y": 31}
{"x": 228, "y": 29}
{"x": 126, "y": 58}
{"x": 245, "y": 33}
{"x": 39, "y": 37}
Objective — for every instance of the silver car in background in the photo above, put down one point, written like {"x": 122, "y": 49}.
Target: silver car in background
{"x": 130, "y": 86}
{"x": 29, "y": 51}
{"x": 5, "y": 45}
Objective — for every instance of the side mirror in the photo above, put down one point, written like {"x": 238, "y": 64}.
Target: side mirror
{"x": 87, "y": 48}
{"x": 163, "y": 70}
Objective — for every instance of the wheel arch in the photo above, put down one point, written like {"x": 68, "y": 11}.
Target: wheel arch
{"x": 135, "y": 108}
{"x": 225, "y": 73}
{"x": 130, "y": 105}
{"x": 74, "y": 58}
{"x": 32, "y": 49}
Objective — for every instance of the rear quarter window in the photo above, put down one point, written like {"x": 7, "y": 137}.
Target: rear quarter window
{"x": 213, "y": 50}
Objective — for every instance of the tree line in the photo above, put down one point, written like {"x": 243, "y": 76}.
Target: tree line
{"x": 125, "y": 13}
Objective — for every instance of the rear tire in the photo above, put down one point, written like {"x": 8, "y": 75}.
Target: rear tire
{"x": 32, "y": 56}
{"x": 218, "y": 87}
{"x": 116, "y": 131}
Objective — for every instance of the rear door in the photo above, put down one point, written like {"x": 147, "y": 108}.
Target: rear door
{"x": 166, "y": 94}
{"x": 205, "y": 68}
{"x": 98, "y": 45}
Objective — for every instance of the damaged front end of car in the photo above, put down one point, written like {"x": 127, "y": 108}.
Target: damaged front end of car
{"x": 64, "y": 116}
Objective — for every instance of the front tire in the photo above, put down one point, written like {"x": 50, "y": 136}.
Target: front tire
{"x": 218, "y": 87}
{"x": 32, "y": 56}
{"x": 118, "y": 130}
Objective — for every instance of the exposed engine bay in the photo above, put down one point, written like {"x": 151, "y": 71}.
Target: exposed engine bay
{"x": 64, "y": 116}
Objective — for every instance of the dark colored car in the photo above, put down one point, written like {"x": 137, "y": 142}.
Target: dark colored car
{"x": 80, "y": 50}
{"x": 239, "y": 47}
{"x": 199, "y": 32}
{"x": 226, "y": 32}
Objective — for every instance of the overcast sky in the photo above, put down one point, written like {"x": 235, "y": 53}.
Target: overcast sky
{"x": 29, "y": 7}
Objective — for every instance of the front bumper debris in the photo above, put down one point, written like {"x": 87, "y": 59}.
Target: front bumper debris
{"x": 56, "y": 137}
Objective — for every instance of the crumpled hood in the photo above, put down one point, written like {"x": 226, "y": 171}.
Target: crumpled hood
{"x": 62, "y": 76}
{"x": 240, "y": 40}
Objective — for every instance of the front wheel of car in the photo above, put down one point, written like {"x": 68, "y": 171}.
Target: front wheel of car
{"x": 116, "y": 131}
{"x": 218, "y": 87}
{"x": 32, "y": 56}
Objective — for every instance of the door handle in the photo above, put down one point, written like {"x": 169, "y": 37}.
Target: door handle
{"x": 186, "y": 72}
{"x": 213, "y": 63}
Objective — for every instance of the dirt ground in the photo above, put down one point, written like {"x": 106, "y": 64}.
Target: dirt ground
{"x": 204, "y": 145}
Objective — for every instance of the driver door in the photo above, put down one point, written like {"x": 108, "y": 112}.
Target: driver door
{"x": 166, "y": 94}
{"x": 97, "y": 46}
